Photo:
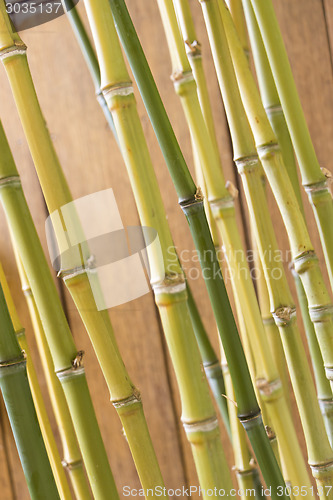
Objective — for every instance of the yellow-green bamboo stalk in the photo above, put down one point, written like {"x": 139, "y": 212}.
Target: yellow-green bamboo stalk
{"x": 238, "y": 16}
{"x": 305, "y": 260}
{"x": 272, "y": 105}
{"x": 167, "y": 280}
{"x": 43, "y": 419}
{"x": 246, "y": 473}
{"x": 237, "y": 12}
{"x": 247, "y": 162}
{"x": 313, "y": 178}
{"x": 66, "y": 358}
{"x": 124, "y": 396}
{"x": 72, "y": 459}
{"x": 222, "y": 205}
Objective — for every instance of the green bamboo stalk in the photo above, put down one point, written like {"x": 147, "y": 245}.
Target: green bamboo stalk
{"x": 210, "y": 361}
{"x": 237, "y": 13}
{"x": 313, "y": 178}
{"x": 324, "y": 391}
{"x": 66, "y": 358}
{"x": 167, "y": 278}
{"x": 43, "y": 420}
{"x": 89, "y": 56}
{"x": 21, "y": 411}
{"x": 72, "y": 459}
{"x": 276, "y": 117}
{"x": 305, "y": 260}
{"x": 124, "y": 396}
{"x": 246, "y": 472}
{"x": 265, "y": 374}
{"x": 192, "y": 205}
{"x": 281, "y": 301}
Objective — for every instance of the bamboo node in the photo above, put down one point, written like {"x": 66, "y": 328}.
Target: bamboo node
{"x": 15, "y": 362}
{"x": 267, "y": 388}
{"x": 66, "y": 274}
{"x": 250, "y": 421}
{"x": 318, "y": 186}
{"x": 276, "y": 109}
{"x": 212, "y": 370}
{"x": 329, "y": 372}
{"x": 268, "y": 150}
{"x": 120, "y": 89}
{"x": 284, "y": 315}
{"x": 207, "y": 425}
{"x": 71, "y": 371}
{"x": 246, "y": 163}
{"x": 321, "y": 314}
{"x": 322, "y": 467}
{"x": 222, "y": 203}
{"x": 71, "y": 465}
{"x": 193, "y": 49}
{"x": 302, "y": 261}
{"x": 173, "y": 283}
{"x": 18, "y": 49}
{"x": 131, "y": 400}
{"x": 13, "y": 180}
{"x": 326, "y": 406}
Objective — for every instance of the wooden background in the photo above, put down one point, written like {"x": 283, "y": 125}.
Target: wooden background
{"x": 92, "y": 162}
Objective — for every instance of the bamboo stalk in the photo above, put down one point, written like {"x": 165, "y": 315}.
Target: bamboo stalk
{"x": 246, "y": 472}
{"x": 192, "y": 205}
{"x": 21, "y": 411}
{"x": 167, "y": 278}
{"x": 210, "y": 361}
{"x": 66, "y": 358}
{"x": 89, "y": 56}
{"x": 43, "y": 419}
{"x": 276, "y": 117}
{"x": 281, "y": 301}
{"x": 72, "y": 459}
{"x": 221, "y": 201}
{"x": 313, "y": 178}
{"x": 305, "y": 260}
{"x": 124, "y": 396}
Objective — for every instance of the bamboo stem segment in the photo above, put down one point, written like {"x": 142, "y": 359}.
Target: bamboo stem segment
{"x": 313, "y": 178}
{"x": 44, "y": 423}
{"x": 56, "y": 328}
{"x": 167, "y": 279}
{"x": 72, "y": 459}
{"x": 21, "y": 411}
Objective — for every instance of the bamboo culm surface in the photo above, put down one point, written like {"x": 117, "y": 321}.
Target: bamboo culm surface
{"x": 265, "y": 373}
{"x": 192, "y": 206}
{"x": 248, "y": 164}
{"x": 21, "y": 411}
{"x": 59, "y": 338}
{"x": 304, "y": 257}
{"x": 124, "y": 396}
{"x": 167, "y": 278}
{"x": 272, "y": 105}
{"x": 72, "y": 458}
{"x": 313, "y": 178}
{"x": 42, "y": 416}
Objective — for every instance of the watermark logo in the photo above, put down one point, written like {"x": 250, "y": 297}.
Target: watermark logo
{"x": 88, "y": 236}
{"x": 26, "y": 14}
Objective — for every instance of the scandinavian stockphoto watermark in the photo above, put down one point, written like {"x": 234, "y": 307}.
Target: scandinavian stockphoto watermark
{"x": 26, "y": 14}
{"x": 87, "y": 235}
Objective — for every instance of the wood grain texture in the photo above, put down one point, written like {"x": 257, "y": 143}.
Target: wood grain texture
{"x": 92, "y": 162}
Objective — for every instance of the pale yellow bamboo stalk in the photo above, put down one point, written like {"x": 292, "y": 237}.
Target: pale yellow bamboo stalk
{"x": 43, "y": 419}
{"x": 222, "y": 204}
